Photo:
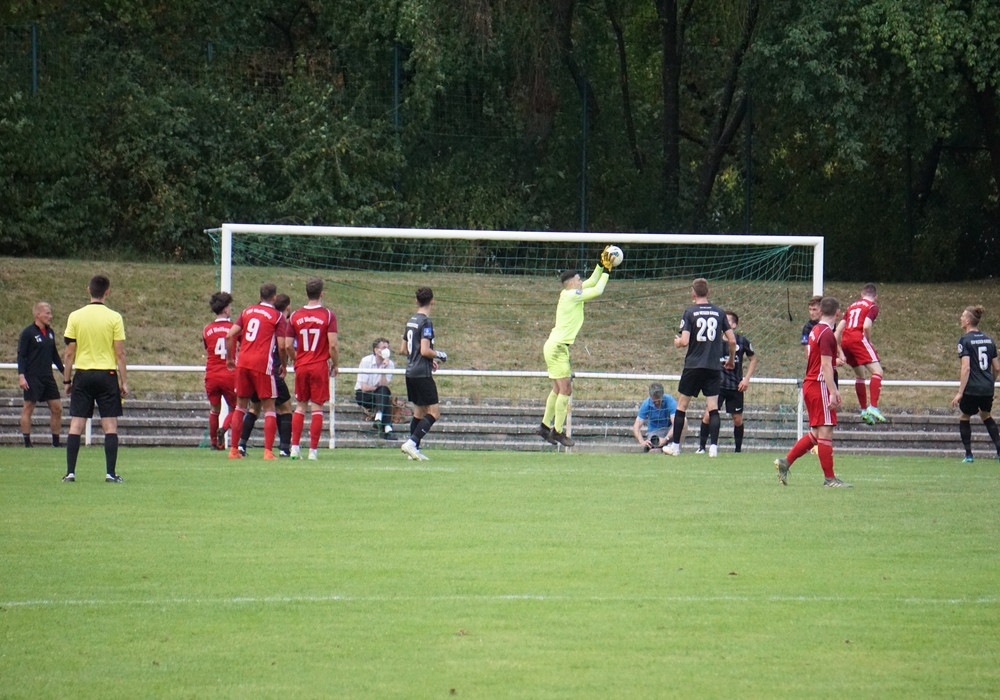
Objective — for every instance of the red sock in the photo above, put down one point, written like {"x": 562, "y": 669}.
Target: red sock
{"x": 228, "y": 421}
{"x": 298, "y": 423}
{"x": 270, "y": 429}
{"x": 315, "y": 429}
{"x": 876, "y": 388}
{"x": 859, "y": 389}
{"x": 804, "y": 444}
{"x": 826, "y": 457}
{"x": 213, "y": 427}
{"x": 238, "y": 416}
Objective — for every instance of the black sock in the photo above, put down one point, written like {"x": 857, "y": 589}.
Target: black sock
{"x": 248, "y": 422}
{"x": 679, "y": 417}
{"x": 27, "y": 439}
{"x": 738, "y": 436}
{"x": 713, "y": 426}
{"x": 111, "y": 452}
{"x": 703, "y": 436}
{"x": 413, "y": 425}
{"x": 284, "y": 431}
{"x": 72, "y": 451}
{"x": 965, "y": 432}
{"x": 423, "y": 427}
{"x": 991, "y": 428}
{"x": 55, "y": 440}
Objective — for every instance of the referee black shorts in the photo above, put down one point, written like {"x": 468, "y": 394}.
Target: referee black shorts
{"x": 95, "y": 386}
{"x": 421, "y": 391}
{"x": 41, "y": 388}
{"x": 697, "y": 379}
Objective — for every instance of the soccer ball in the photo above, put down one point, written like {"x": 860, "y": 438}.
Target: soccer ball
{"x": 617, "y": 256}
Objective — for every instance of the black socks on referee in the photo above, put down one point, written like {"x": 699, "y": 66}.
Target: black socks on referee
{"x": 72, "y": 452}
{"x": 111, "y": 452}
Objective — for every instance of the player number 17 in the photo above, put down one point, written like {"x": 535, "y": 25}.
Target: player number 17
{"x": 310, "y": 339}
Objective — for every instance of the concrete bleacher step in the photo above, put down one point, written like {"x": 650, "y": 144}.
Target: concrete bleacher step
{"x": 605, "y": 426}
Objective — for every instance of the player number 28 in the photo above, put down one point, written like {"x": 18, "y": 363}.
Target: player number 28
{"x": 708, "y": 328}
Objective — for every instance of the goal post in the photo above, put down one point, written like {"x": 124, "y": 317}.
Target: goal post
{"x": 496, "y": 292}
{"x": 228, "y": 230}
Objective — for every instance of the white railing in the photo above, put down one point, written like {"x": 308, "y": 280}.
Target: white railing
{"x": 621, "y": 376}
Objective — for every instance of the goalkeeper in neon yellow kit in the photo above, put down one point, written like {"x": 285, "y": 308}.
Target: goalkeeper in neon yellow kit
{"x": 569, "y": 319}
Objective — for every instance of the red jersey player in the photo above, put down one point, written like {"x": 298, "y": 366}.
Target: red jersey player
{"x": 821, "y": 398}
{"x": 316, "y": 357}
{"x": 220, "y": 381}
{"x": 256, "y": 331}
{"x": 854, "y": 336}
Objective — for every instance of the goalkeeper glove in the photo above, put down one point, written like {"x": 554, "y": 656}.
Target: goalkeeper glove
{"x": 441, "y": 356}
{"x": 606, "y": 260}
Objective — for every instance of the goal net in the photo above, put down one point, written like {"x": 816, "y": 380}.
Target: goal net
{"x": 496, "y": 292}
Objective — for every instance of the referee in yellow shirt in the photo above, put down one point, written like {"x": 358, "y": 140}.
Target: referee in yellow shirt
{"x": 95, "y": 348}
{"x": 569, "y": 320}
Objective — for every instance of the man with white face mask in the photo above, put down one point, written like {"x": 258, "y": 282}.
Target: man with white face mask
{"x": 371, "y": 391}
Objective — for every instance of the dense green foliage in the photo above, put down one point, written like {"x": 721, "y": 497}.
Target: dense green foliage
{"x": 875, "y": 123}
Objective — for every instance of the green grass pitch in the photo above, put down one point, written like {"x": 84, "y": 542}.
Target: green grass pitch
{"x": 495, "y": 574}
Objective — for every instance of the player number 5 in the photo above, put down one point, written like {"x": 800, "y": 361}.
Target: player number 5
{"x": 984, "y": 359}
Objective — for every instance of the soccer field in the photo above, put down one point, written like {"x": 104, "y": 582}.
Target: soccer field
{"x": 496, "y": 574}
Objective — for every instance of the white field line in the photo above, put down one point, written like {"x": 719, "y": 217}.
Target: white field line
{"x": 286, "y": 600}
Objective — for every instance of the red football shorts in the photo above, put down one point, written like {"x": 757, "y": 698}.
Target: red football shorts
{"x": 858, "y": 352}
{"x": 219, "y": 385}
{"x": 312, "y": 383}
{"x": 817, "y": 401}
{"x": 249, "y": 382}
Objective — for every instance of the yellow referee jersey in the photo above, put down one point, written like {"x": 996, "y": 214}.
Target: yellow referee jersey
{"x": 95, "y": 328}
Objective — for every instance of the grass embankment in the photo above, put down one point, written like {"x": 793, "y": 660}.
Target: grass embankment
{"x": 165, "y": 308}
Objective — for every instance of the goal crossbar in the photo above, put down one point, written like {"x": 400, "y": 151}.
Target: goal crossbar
{"x": 227, "y": 230}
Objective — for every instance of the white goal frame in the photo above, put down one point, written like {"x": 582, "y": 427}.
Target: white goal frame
{"x": 228, "y": 230}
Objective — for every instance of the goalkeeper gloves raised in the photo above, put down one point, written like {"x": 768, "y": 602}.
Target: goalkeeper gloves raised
{"x": 441, "y": 356}
{"x": 606, "y": 260}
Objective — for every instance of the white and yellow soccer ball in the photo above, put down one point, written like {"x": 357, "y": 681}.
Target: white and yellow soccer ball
{"x": 617, "y": 256}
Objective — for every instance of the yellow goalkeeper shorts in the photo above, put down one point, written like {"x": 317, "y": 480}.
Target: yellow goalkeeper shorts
{"x": 557, "y": 359}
